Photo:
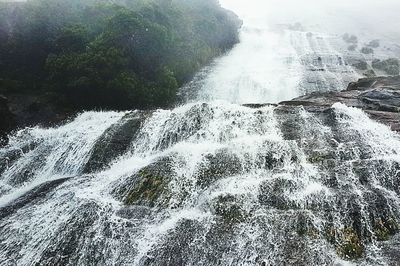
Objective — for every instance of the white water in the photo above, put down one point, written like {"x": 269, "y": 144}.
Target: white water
{"x": 275, "y": 178}
{"x": 277, "y": 60}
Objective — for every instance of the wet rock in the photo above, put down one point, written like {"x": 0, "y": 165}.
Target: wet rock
{"x": 65, "y": 245}
{"x": 367, "y": 50}
{"x": 148, "y": 187}
{"x": 229, "y": 209}
{"x": 274, "y": 193}
{"x": 349, "y": 245}
{"x": 350, "y": 38}
{"x": 390, "y": 250}
{"x": 7, "y": 120}
{"x": 370, "y": 73}
{"x": 217, "y": 166}
{"x": 391, "y": 66}
{"x": 31, "y": 197}
{"x": 374, "y": 44}
{"x": 115, "y": 141}
{"x": 194, "y": 119}
{"x": 184, "y": 247}
{"x": 360, "y": 65}
{"x": 352, "y": 47}
{"x": 378, "y": 96}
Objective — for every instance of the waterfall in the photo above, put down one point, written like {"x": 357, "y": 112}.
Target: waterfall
{"x": 203, "y": 184}
{"x": 214, "y": 181}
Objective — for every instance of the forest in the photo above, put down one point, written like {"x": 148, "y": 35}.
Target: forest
{"x": 117, "y": 55}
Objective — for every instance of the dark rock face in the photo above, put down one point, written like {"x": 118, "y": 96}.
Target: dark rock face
{"x": 115, "y": 141}
{"x": 7, "y": 120}
{"x": 30, "y": 197}
{"x": 24, "y": 110}
{"x": 379, "y": 97}
{"x": 147, "y": 187}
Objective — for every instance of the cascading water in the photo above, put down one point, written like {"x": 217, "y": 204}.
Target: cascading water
{"x": 212, "y": 183}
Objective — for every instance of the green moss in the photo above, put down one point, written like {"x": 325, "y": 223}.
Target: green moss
{"x": 347, "y": 242}
{"x": 148, "y": 190}
{"x": 383, "y": 229}
{"x": 350, "y": 246}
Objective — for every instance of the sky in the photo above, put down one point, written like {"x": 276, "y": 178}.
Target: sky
{"x": 362, "y": 17}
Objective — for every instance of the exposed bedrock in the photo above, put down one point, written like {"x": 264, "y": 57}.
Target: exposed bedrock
{"x": 379, "y": 97}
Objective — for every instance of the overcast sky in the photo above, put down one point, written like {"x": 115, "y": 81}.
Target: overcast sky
{"x": 372, "y": 17}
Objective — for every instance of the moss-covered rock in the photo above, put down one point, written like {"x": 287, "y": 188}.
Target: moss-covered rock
{"x": 317, "y": 157}
{"x": 350, "y": 245}
{"x": 148, "y": 187}
{"x": 148, "y": 190}
{"x": 384, "y": 228}
{"x": 347, "y": 242}
{"x": 305, "y": 226}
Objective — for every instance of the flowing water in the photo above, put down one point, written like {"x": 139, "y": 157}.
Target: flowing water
{"x": 211, "y": 182}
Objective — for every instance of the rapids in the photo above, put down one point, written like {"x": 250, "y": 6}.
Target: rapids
{"x": 214, "y": 181}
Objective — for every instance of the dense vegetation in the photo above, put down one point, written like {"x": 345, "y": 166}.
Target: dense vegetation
{"x": 97, "y": 54}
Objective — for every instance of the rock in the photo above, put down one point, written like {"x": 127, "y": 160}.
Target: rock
{"x": 369, "y": 74}
{"x": 216, "y": 166}
{"x": 31, "y": 197}
{"x": 352, "y": 47}
{"x": 349, "y": 245}
{"x": 115, "y": 141}
{"x": 367, "y": 50}
{"x": 274, "y": 193}
{"x": 350, "y": 38}
{"x": 229, "y": 209}
{"x": 148, "y": 187}
{"x": 374, "y": 44}
{"x": 391, "y": 66}
{"x": 377, "y": 96}
{"x": 7, "y": 120}
{"x": 360, "y": 65}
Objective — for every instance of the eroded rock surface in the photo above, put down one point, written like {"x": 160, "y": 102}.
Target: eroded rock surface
{"x": 379, "y": 97}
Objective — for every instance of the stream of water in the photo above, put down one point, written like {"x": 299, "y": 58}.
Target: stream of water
{"x": 212, "y": 182}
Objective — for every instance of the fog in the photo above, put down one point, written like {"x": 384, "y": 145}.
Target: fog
{"x": 377, "y": 18}
{"x": 293, "y": 47}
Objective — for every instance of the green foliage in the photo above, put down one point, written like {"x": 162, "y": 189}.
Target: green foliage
{"x": 94, "y": 54}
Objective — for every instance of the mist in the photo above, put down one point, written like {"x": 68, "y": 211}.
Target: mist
{"x": 362, "y": 17}
{"x": 281, "y": 42}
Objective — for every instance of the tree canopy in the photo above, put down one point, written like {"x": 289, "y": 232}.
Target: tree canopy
{"x": 119, "y": 55}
